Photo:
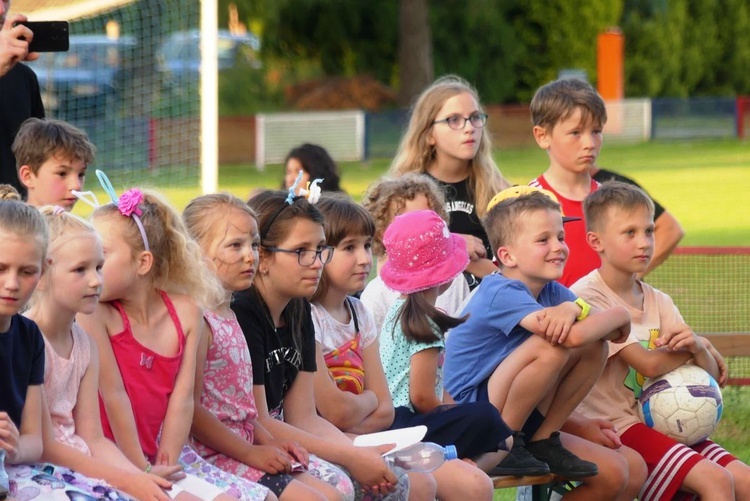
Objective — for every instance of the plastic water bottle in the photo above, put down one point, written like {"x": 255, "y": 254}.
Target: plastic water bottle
{"x": 4, "y": 483}
{"x": 422, "y": 457}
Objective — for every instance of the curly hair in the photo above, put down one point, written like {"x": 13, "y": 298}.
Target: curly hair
{"x": 387, "y": 197}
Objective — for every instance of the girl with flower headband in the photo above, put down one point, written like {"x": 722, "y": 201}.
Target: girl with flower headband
{"x": 147, "y": 327}
{"x": 225, "y": 428}
{"x": 275, "y": 316}
{"x": 423, "y": 259}
{"x": 353, "y": 393}
{"x": 70, "y": 284}
{"x": 447, "y": 139}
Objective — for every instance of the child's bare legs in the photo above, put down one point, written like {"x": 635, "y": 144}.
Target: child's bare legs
{"x": 524, "y": 378}
{"x": 577, "y": 377}
{"x": 421, "y": 486}
{"x": 307, "y": 486}
{"x": 612, "y": 482}
{"x": 710, "y": 481}
{"x": 741, "y": 474}
{"x": 458, "y": 480}
{"x": 637, "y": 473}
{"x": 487, "y": 461}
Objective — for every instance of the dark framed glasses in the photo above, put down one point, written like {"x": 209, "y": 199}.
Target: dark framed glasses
{"x": 307, "y": 257}
{"x": 457, "y": 122}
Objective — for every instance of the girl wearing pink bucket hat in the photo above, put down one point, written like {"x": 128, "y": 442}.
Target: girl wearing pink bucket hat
{"x": 423, "y": 258}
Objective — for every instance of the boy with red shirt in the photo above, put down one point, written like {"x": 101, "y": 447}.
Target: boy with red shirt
{"x": 568, "y": 116}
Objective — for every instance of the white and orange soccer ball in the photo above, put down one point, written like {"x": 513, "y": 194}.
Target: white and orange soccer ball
{"x": 684, "y": 404}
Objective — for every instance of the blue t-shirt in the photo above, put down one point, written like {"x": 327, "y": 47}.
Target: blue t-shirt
{"x": 396, "y": 351}
{"x": 21, "y": 364}
{"x": 475, "y": 348}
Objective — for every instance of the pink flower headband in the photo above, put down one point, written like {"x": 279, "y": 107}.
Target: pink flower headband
{"x": 127, "y": 204}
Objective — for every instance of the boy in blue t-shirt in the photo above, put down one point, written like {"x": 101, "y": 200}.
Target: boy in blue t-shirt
{"x": 530, "y": 346}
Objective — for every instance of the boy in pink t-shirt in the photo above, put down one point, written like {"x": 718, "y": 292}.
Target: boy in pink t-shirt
{"x": 568, "y": 117}
{"x": 620, "y": 223}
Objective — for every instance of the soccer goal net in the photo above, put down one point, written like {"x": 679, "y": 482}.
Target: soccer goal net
{"x": 131, "y": 81}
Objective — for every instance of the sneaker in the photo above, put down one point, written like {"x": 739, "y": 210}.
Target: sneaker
{"x": 560, "y": 460}
{"x": 519, "y": 462}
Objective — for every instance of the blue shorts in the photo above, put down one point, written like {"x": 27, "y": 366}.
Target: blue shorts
{"x": 533, "y": 422}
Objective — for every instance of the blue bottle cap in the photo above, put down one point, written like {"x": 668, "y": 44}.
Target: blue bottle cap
{"x": 450, "y": 452}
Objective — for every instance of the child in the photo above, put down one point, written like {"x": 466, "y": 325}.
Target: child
{"x": 446, "y": 139}
{"x": 620, "y": 224}
{"x": 568, "y": 116}
{"x": 275, "y": 316}
{"x": 71, "y": 284}
{"x": 353, "y": 392}
{"x": 147, "y": 325}
{"x": 532, "y": 349}
{"x": 315, "y": 163}
{"x": 385, "y": 199}
{"x": 52, "y": 157}
{"x": 224, "y": 425}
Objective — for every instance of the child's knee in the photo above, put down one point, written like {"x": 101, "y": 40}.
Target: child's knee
{"x": 421, "y": 486}
{"x": 614, "y": 474}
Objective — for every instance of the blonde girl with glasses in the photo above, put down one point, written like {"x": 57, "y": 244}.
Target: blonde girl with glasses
{"x": 275, "y": 316}
{"x": 147, "y": 326}
{"x": 447, "y": 138}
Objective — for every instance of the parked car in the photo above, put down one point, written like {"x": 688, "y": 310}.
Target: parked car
{"x": 180, "y": 57}
{"x": 82, "y": 82}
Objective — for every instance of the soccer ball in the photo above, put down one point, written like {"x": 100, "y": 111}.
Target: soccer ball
{"x": 684, "y": 404}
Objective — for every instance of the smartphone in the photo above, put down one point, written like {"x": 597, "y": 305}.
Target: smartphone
{"x": 49, "y": 36}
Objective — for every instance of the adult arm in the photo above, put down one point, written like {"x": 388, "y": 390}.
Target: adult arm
{"x": 14, "y": 43}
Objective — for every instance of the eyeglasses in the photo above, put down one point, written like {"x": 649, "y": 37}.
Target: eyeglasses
{"x": 307, "y": 257}
{"x": 457, "y": 122}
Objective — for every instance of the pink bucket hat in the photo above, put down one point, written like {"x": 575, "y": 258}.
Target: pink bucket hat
{"x": 422, "y": 252}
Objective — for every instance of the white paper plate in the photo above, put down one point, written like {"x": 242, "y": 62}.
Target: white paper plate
{"x": 402, "y": 438}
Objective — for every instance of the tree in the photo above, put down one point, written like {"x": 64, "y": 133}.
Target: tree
{"x": 414, "y": 49}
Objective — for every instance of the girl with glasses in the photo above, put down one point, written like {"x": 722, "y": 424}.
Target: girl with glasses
{"x": 275, "y": 317}
{"x": 447, "y": 139}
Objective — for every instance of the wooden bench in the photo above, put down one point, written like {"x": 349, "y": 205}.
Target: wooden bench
{"x": 732, "y": 345}
{"x": 540, "y": 486}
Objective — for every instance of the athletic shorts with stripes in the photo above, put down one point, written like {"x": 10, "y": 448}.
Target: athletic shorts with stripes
{"x": 669, "y": 461}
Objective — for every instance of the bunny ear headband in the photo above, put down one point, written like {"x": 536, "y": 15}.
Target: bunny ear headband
{"x": 311, "y": 192}
{"x": 127, "y": 204}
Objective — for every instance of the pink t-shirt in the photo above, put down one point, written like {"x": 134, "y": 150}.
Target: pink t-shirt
{"x": 614, "y": 396}
{"x": 62, "y": 379}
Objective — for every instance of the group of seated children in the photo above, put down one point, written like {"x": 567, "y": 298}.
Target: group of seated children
{"x": 221, "y": 353}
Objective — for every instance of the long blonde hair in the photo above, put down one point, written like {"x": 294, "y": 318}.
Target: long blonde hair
{"x": 178, "y": 261}
{"x": 415, "y": 154}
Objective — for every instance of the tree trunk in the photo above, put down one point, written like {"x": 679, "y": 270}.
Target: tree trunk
{"x": 415, "y": 49}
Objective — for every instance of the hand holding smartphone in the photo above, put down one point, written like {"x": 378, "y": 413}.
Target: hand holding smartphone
{"x": 49, "y": 36}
